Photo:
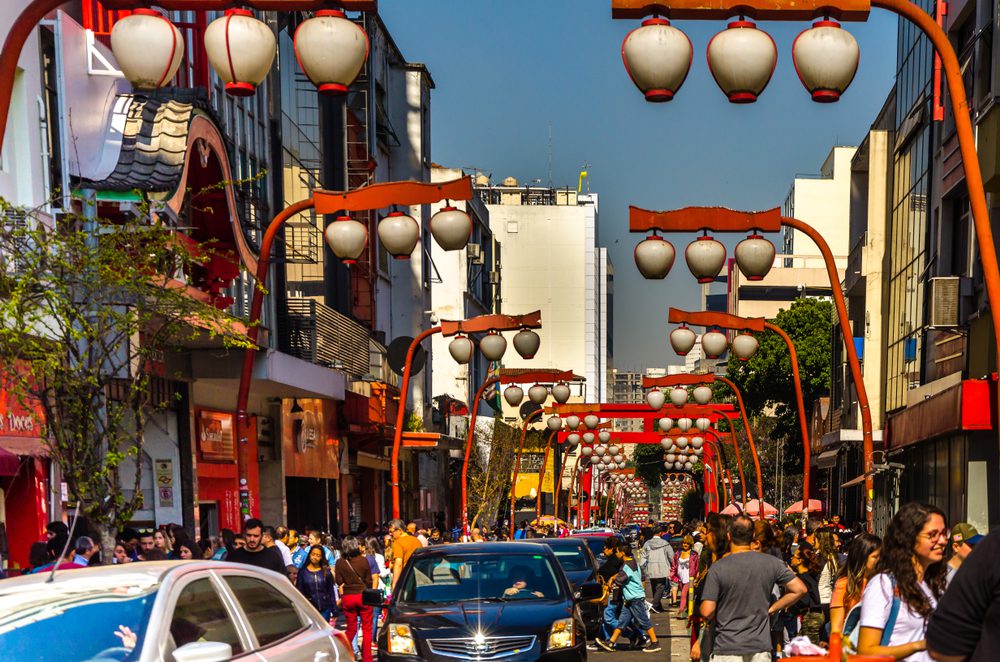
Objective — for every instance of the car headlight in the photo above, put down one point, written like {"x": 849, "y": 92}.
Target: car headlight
{"x": 562, "y": 634}
{"x": 401, "y": 640}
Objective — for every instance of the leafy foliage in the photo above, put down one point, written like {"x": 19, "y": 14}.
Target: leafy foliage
{"x": 648, "y": 459}
{"x": 766, "y": 379}
{"x": 88, "y": 311}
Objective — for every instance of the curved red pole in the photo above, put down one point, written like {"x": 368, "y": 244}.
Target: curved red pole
{"x": 517, "y": 465}
{"x": 739, "y": 461}
{"x": 250, "y": 353}
{"x": 473, "y": 414}
{"x": 803, "y": 421}
{"x": 397, "y": 440}
{"x": 723, "y": 471}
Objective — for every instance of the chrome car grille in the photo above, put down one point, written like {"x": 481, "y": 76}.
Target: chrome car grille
{"x": 485, "y": 648}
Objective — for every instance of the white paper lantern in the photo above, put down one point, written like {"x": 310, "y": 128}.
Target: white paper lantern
{"x": 666, "y": 442}
{"x": 714, "y": 344}
{"x": 513, "y": 395}
{"x": 682, "y": 442}
{"x": 554, "y": 423}
{"x": 591, "y": 421}
{"x": 493, "y": 346}
{"x": 451, "y": 228}
{"x": 654, "y": 257}
{"x": 826, "y": 59}
{"x": 573, "y": 438}
{"x": 147, "y": 47}
{"x": 666, "y": 424}
{"x": 657, "y": 57}
{"x": 331, "y": 50}
{"x": 572, "y": 422}
{"x": 682, "y": 339}
{"x": 655, "y": 399}
{"x": 755, "y": 257}
{"x": 703, "y": 424}
{"x": 697, "y": 442}
{"x": 526, "y": 344}
{"x": 679, "y": 396}
{"x": 586, "y": 451}
{"x": 461, "y": 348}
{"x": 684, "y": 424}
{"x": 745, "y": 346}
{"x": 741, "y": 59}
{"x": 538, "y": 394}
{"x": 347, "y": 238}
{"x": 613, "y": 449}
{"x": 588, "y": 437}
{"x": 671, "y": 457}
{"x": 705, "y": 258}
{"x": 240, "y": 49}
{"x": 702, "y": 395}
{"x": 604, "y": 436}
{"x": 561, "y": 393}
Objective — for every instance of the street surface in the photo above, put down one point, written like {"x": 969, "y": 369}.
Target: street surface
{"x": 673, "y": 636}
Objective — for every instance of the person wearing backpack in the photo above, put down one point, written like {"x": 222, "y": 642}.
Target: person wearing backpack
{"x": 629, "y": 580}
{"x": 862, "y": 558}
{"x": 910, "y": 578}
{"x": 656, "y": 556}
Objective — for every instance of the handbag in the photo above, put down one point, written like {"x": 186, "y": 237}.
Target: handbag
{"x": 851, "y": 631}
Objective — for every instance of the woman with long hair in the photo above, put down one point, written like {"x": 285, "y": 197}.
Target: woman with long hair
{"x": 162, "y": 542}
{"x": 315, "y": 582}
{"x": 187, "y": 550}
{"x": 910, "y": 579}
{"x": 862, "y": 558}
{"x": 807, "y": 564}
{"x": 354, "y": 576}
{"x": 826, "y": 550}
{"x": 374, "y": 547}
{"x": 683, "y": 570}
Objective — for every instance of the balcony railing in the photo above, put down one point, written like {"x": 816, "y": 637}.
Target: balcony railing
{"x": 316, "y": 333}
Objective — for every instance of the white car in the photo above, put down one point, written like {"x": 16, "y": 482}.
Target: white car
{"x": 176, "y": 611}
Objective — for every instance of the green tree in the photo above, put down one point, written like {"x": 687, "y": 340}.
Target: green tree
{"x": 648, "y": 462}
{"x": 766, "y": 379}
{"x": 88, "y": 311}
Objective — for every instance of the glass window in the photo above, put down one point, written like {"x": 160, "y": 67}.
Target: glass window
{"x": 199, "y": 615}
{"x": 490, "y": 577}
{"x": 272, "y": 616}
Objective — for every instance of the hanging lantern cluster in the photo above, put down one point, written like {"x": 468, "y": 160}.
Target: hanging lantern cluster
{"x": 681, "y": 453}
{"x": 493, "y": 346}
{"x": 714, "y": 344}
{"x": 331, "y": 50}
{"x": 741, "y": 58}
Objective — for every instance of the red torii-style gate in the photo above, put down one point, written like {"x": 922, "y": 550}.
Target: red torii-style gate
{"x": 650, "y": 434}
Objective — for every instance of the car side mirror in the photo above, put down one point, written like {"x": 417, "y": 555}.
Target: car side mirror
{"x": 204, "y": 651}
{"x": 589, "y": 591}
{"x": 373, "y": 597}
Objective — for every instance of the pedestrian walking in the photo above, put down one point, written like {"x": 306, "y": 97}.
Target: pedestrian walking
{"x": 629, "y": 580}
{"x": 315, "y": 581}
{"x": 966, "y": 624}
{"x": 403, "y": 546}
{"x": 716, "y": 547}
{"x": 656, "y": 557}
{"x": 254, "y": 552}
{"x": 737, "y": 597}
{"x": 910, "y": 579}
{"x": 807, "y": 565}
{"x": 682, "y": 569}
{"x": 353, "y": 576}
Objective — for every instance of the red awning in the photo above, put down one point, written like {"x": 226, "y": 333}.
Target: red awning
{"x": 24, "y": 446}
{"x": 9, "y": 463}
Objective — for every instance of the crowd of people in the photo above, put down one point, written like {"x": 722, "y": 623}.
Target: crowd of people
{"x": 751, "y": 591}
{"x": 748, "y": 590}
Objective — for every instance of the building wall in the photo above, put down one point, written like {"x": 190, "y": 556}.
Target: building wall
{"x": 549, "y": 263}
{"x": 824, "y": 203}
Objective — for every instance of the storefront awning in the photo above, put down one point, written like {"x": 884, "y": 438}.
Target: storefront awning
{"x": 826, "y": 459}
{"x": 24, "y": 446}
{"x": 965, "y": 406}
{"x": 9, "y": 463}
{"x": 855, "y": 481}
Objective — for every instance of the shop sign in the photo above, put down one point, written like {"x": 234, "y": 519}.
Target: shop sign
{"x": 215, "y": 436}
{"x": 309, "y": 440}
{"x": 164, "y": 476}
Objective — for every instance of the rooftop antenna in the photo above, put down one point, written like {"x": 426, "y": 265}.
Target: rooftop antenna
{"x": 550, "y": 155}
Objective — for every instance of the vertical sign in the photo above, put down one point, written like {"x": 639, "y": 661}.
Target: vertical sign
{"x": 164, "y": 475}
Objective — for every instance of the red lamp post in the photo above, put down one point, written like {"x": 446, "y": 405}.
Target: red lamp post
{"x": 482, "y": 324}
{"x": 826, "y": 67}
{"x": 533, "y": 377}
{"x": 375, "y": 196}
{"x": 732, "y": 322}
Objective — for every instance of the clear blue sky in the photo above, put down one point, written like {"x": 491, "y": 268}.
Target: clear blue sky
{"x": 506, "y": 71}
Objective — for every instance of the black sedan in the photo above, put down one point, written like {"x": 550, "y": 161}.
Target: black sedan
{"x": 580, "y": 565}
{"x": 484, "y": 601}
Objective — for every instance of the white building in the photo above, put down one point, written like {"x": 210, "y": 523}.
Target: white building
{"x": 550, "y": 261}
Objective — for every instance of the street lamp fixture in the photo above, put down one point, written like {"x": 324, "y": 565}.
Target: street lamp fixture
{"x": 705, "y": 258}
{"x": 331, "y": 51}
{"x": 741, "y": 59}
{"x": 755, "y": 257}
{"x": 561, "y": 392}
{"x": 714, "y": 343}
{"x": 554, "y": 423}
{"x": 682, "y": 339}
{"x": 451, "y": 228}
{"x": 241, "y": 49}
{"x": 745, "y": 346}
{"x": 702, "y": 394}
{"x": 679, "y": 396}
{"x": 461, "y": 348}
{"x": 493, "y": 346}
{"x": 665, "y": 424}
{"x": 347, "y": 238}
{"x": 572, "y": 422}
{"x": 514, "y": 395}
{"x": 538, "y": 394}
{"x": 657, "y": 57}
{"x": 655, "y": 399}
{"x": 826, "y": 59}
{"x": 654, "y": 256}
{"x": 604, "y": 436}
{"x": 526, "y": 343}
{"x": 399, "y": 234}
{"x": 591, "y": 421}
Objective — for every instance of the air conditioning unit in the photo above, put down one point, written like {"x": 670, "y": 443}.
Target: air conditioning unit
{"x": 493, "y": 278}
{"x": 475, "y": 253}
{"x": 944, "y": 301}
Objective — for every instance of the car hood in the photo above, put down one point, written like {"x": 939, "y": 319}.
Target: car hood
{"x": 496, "y": 618}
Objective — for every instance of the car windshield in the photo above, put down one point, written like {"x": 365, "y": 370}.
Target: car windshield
{"x": 572, "y": 559}
{"x": 596, "y": 545}
{"x": 87, "y": 625}
{"x": 484, "y": 577}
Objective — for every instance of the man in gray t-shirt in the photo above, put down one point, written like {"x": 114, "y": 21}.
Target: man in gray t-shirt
{"x": 737, "y": 594}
